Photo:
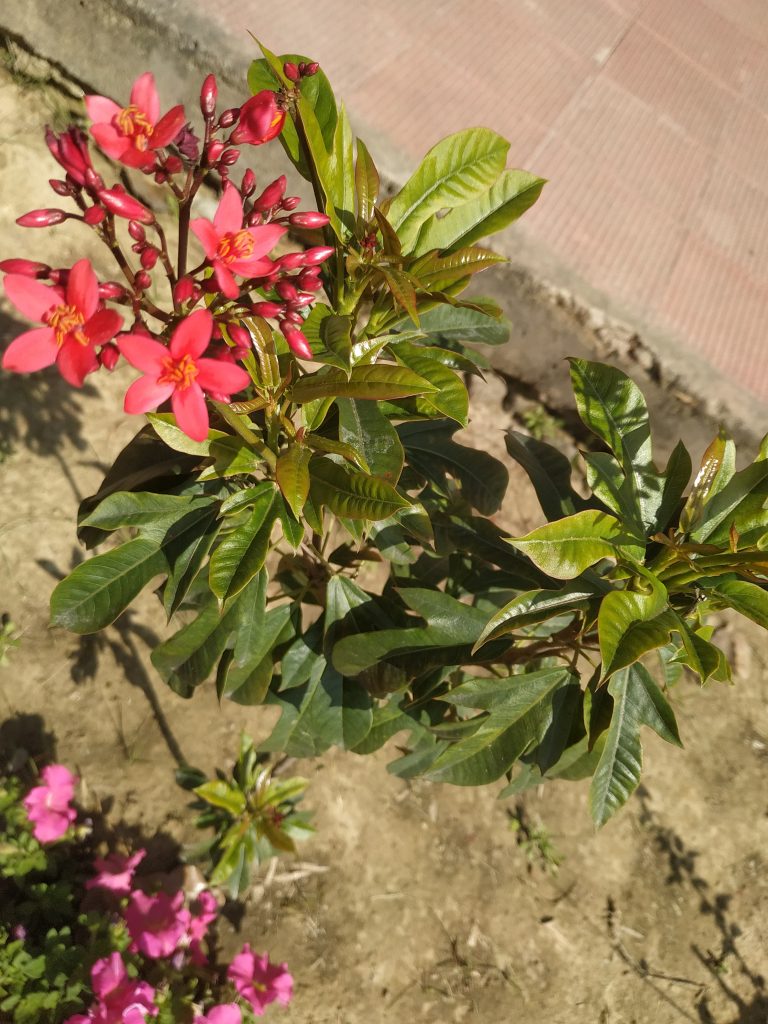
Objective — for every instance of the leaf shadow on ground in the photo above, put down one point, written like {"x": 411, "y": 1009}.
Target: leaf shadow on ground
{"x": 729, "y": 970}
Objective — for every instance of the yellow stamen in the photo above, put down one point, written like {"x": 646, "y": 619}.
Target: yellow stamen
{"x": 181, "y": 372}
{"x": 65, "y": 321}
{"x": 236, "y": 245}
{"x": 135, "y": 124}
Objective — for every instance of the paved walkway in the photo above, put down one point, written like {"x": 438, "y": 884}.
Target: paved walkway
{"x": 649, "y": 117}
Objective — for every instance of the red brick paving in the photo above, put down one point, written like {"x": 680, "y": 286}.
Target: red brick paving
{"x": 649, "y": 117}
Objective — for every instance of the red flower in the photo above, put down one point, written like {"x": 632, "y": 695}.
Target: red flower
{"x": 260, "y": 120}
{"x": 74, "y": 324}
{"x": 231, "y": 248}
{"x": 178, "y": 373}
{"x": 131, "y": 134}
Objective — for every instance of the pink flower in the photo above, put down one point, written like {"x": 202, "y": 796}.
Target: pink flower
{"x": 120, "y": 1000}
{"x": 261, "y": 120}
{"x": 178, "y": 373}
{"x": 48, "y": 807}
{"x": 156, "y": 924}
{"x": 74, "y": 324}
{"x": 131, "y": 134}
{"x": 231, "y": 248}
{"x": 260, "y": 982}
{"x": 116, "y": 872}
{"x": 224, "y": 1013}
{"x": 204, "y": 911}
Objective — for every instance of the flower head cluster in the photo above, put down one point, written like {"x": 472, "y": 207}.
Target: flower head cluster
{"x": 48, "y": 806}
{"x": 119, "y": 999}
{"x": 259, "y": 981}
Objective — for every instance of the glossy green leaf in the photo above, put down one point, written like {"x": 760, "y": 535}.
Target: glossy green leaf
{"x": 534, "y": 606}
{"x": 330, "y": 446}
{"x": 630, "y": 624}
{"x": 335, "y": 335}
{"x": 451, "y": 398}
{"x": 465, "y": 325}
{"x": 190, "y": 656}
{"x": 403, "y": 291}
{"x": 507, "y": 199}
{"x": 367, "y": 183}
{"x": 747, "y": 599}
{"x": 550, "y": 473}
{"x": 374, "y": 383}
{"x": 436, "y": 271}
{"x": 221, "y": 794}
{"x": 741, "y": 503}
{"x": 185, "y": 556}
{"x": 676, "y": 477}
{"x": 292, "y": 475}
{"x": 457, "y": 169}
{"x": 567, "y": 547}
{"x": 366, "y": 430}
{"x": 351, "y": 494}
{"x": 637, "y": 701}
{"x": 718, "y": 465}
{"x": 241, "y": 554}
{"x": 164, "y": 425}
{"x": 153, "y": 514}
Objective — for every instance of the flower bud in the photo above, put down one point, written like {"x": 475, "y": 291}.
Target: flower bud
{"x": 239, "y": 335}
{"x": 291, "y": 71}
{"x": 183, "y": 290}
{"x": 229, "y": 157}
{"x": 136, "y": 231}
{"x": 271, "y": 195}
{"x": 302, "y": 299}
{"x": 270, "y": 310}
{"x": 308, "y": 219}
{"x": 108, "y": 356}
{"x": 294, "y": 318}
{"x": 311, "y": 69}
{"x": 302, "y": 68}
{"x": 248, "y": 186}
{"x": 161, "y": 176}
{"x": 291, "y": 261}
{"x": 229, "y": 117}
{"x": 122, "y": 205}
{"x": 286, "y": 290}
{"x": 260, "y": 120}
{"x": 291, "y": 202}
{"x": 94, "y": 215}
{"x": 208, "y": 95}
{"x": 173, "y": 164}
{"x": 41, "y": 218}
{"x": 216, "y": 331}
{"x": 112, "y": 290}
{"x": 148, "y": 257}
{"x": 309, "y": 279}
{"x": 219, "y": 396}
{"x": 93, "y": 180}
{"x": 297, "y": 341}
{"x": 26, "y": 268}
{"x": 239, "y": 352}
{"x": 61, "y": 188}
{"x": 253, "y": 219}
{"x": 317, "y": 254}
{"x": 142, "y": 280}
{"x": 214, "y": 151}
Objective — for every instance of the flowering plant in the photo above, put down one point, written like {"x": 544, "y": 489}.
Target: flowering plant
{"x": 314, "y": 397}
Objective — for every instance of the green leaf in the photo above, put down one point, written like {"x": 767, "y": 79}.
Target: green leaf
{"x": 464, "y": 325}
{"x": 329, "y": 446}
{"x": 535, "y": 606}
{"x": 637, "y": 701}
{"x": 99, "y": 589}
{"x": 335, "y": 332}
{"x": 351, "y": 494}
{"x": 451, "y": 397}
{"x": 185, "y": 556}
{"x": 366, "y": 430}
{"x": 153, "y": 514}
{"x": 436, "y": 272}
{"x": 376, "y": 382}
{"x": 550, "y": 473}
{"x": 367, "y": 183}
{"x": 221, "y": 794}
{"x": 676, "y": 477}
{"x": 747, "y": 599}
{"x": 292, "y": 474}
{"x": 457, "y": 169}
{"x": 507, "y": 199}
{"x": 630, "y": 624}
{"x": 741, "y": 503}
{"x": 403, "y": 291}
{"x": 518, "y": 722}
{"x": 241, "y": 554}
{"x": 567, "y": 547}
{"x": 164, "y": 425}
{"x": 258, "y": 633}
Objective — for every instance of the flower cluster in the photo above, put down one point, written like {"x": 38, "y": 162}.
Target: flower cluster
{"x": 186, "y": 354}
{"x": 48, "y": 806}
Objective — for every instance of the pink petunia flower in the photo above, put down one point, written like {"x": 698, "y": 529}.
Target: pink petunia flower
{"x": 48, "y": 807}
{"x": 74, "y": 324}
{"x": 224, "y": 1013}
{"x": 132, "y": 134}
{"x": 178, "y": 373}
{"x": 232, "y": 249}
{"x": 204, "y": 911}
{"x": 260, "y": 982}
{"x": 157, "y": 924}
{"x": 120, "y": 1000}
{"x": 261, "y": 120}
{"x": 115, "y": 872}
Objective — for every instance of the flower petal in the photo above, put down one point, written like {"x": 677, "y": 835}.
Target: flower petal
{"x": 224, "y": 1013}
{"x": 133, "y": 157}
{"x": 191, "y": 412}
{"x": 144, "y": 353}
{"x": 265, "y": 238}
{"x": 103, "y": 325}
{"x": 83, "y": 288}
{"x": 225, "y": 280}
{"x": 110, "y": 140}
{"x": 206, "y": 234}
{"x": 76, "y": 361}
{"x": 107, "y": 974}
{"x": 216, "y": 375}
{"x": 146, "y": 394}
{"x": 100, "y": 109}
{"x": 144, "y": 96}
{"x": 168, "y": 127}
{"x": 33, "y": 350}
{"x": 192, "y": 335}
{"x": 253, "y": 268}
{"x": 229, "y": 215}
{"x": 31, "y": 297}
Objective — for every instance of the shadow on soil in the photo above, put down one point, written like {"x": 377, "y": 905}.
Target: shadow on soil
{"x": 726, "y": 965}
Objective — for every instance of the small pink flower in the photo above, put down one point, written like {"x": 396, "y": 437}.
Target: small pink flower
{"x": 120, "y": 1000}
{"x": 132, "y": 134}
{"x": 74, "y": 324}
{"x": 48, "y": 807}
{"x": 203, "y": 914}
{"x": 231, "y": 248}
{"x": 178, "y": 373}
{"x": 116, "y": 872}
{"x": 156, "y": 924}
{"x": 261, "y": 120}
{"x": 224, "y": 1013}
{"x": 260, "y": 982}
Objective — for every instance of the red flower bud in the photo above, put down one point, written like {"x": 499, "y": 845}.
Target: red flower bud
{"x": 260, "y": 120}
{"x": 291, "y": 202}
{"x": 239, "y": 335}
{"x": 302, "y": 299}
{"x": 229, "y": 117}
{"x": 136, "y": 231}
{"x": 253, "y": 219}
{"x": 93, "y": 180}
{"x": 291, "y": 261}
{"x": 149, "y": 257}
{"x": 112, "y": 290}
{"x": 94, "y": 215}
{"x": 108, "y": 356}
{"x": 311, "y": 69}
{"x": 286, "y": 290}
{"x": 122, "y": 205}
{"x": 291, "y": 71}
{"x": 214, "y": 151}
{"x": 208, "y": 95}
{"x": 142, "y": 280}
{"x": 297, "y": 341}
{"x": 160, "y": 176}
{"x": 309, "y": 219}
{"x": 309, "y": 279}
{"x": 240, "y": 351}
{"x": 293, "y": 318}
{"x": 61, "y": 188}
{"x": 183, "y": 290}
{"x": 42, "y": 218}
{"x": 248, "y": 184}
{"x": 229, "y": 157}
{"x": 26, "y": 268}
{"x": 271, "y": 195}
{"x": 173, "y": 164}
{"x": 317, "y": 254}
{"x": 270, "y": 310}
